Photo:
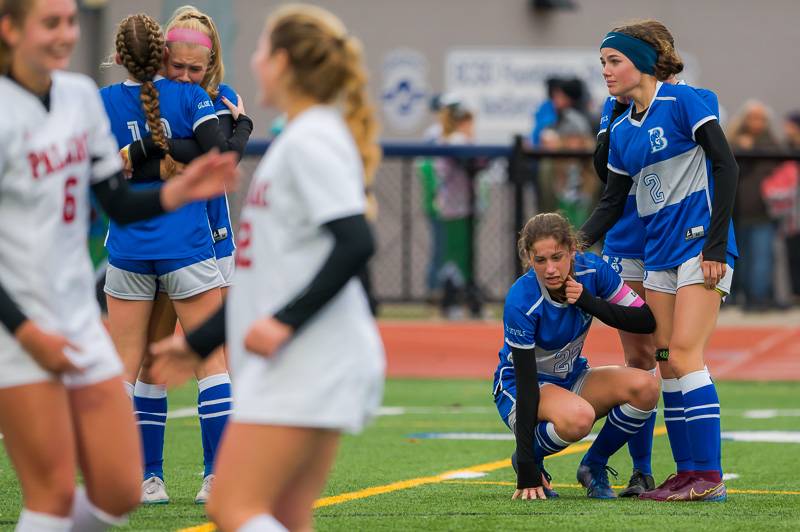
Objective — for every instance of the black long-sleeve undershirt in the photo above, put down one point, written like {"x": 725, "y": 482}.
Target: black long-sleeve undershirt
{"x": 353, "y": 245}
{"x": 638, "y": 320}
{"x": 10, "y": 314}
{"x": 600, "y": 158}
{"x": 608, "y": 210}
{"x": 527, "y": 411}
{"x": 226, "y": 135}
{"x": 725, "y": 173}
{"x": 125, "y": 205}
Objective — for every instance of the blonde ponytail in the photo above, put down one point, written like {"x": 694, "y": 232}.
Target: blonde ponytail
{"x": 358, "y": 111}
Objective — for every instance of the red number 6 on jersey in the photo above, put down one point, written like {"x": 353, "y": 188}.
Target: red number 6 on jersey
{"x": 245, "y": 238}
{"x": 70, "y": 204}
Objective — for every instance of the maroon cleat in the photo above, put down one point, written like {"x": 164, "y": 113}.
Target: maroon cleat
{"x": 673, "y": 482}
{"x": 700, "y": 490}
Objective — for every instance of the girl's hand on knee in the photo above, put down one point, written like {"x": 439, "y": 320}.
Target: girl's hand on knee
{"x": 574, "y": 289}
{"x": 48, "y": 350}
{"x": 713, "y": 272}
{"x": 266, "y": 336}
{"x": 174, "y": 361}
{"x": 528, "y": 494}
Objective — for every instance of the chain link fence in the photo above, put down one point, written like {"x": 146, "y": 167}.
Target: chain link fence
{"x": 506, "y": 197}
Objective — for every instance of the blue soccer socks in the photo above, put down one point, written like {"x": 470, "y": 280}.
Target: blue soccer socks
{"x": 213, "y": 406}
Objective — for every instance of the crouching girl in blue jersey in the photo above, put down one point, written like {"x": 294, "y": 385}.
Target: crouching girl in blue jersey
{"x": 544, "y": 389}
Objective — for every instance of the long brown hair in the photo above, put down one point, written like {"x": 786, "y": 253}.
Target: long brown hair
{"x": 16, "y": 10}
{"x": 190, "y": 18}
{"x": 656, "y": 34}
{"x": 328, "y": 65}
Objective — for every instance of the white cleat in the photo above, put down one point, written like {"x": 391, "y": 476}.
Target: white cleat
{"x": 154, "y": 491}
{"x": 205, "y": 490}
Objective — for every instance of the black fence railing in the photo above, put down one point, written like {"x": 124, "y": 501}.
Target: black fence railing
{"x": 505, "y": 192}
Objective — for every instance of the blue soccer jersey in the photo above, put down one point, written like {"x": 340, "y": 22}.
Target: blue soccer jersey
{"x": 555, "y": 331}
{"x": 626, "y": 239}
{"x": 183, "y": 232}
{"x": 219, "y": 218}
{"x": 670, "y": 172}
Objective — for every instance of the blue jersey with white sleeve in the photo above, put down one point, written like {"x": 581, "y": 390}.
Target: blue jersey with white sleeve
{"x": 219, "y": 218}
{"x": 185, "y": 231}
{"x": 671, "y": 173}
{"x": 555, "y": 331}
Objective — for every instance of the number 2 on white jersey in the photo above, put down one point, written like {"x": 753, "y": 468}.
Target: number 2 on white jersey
{"x": 244, "y": 238}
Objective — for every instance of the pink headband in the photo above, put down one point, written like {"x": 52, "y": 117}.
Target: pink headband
{"x": 189, "y": 36}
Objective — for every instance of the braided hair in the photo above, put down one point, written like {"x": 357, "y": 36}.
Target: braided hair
{"x": 140, "y": 45}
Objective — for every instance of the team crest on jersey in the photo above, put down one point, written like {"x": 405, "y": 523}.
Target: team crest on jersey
{"x": 657, "y": 139}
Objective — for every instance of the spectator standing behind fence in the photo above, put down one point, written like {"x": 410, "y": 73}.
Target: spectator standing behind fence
{"x": 429, "y": 183}
{"x": 455, "y": 199}
{"x": 575, "y": 185}
{"x": 568, "y": 185}
{"x": 781, "y": 193}
{"x": 755, "y": 228}
{"x": 562, "y": 95}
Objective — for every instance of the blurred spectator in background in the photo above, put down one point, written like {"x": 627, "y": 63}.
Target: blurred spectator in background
{"x": 750, "y": 130}
{"x": 429, "y": 185}
{"x": 575, "y": 185}
{"x": 455, "y": 204}
{"x": 568, "y": 185}
{"x": 562, "y": 95}
{"x": 781, "y": 192}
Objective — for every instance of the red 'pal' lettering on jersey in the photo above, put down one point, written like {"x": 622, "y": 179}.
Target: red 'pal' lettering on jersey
{"x": 257, "y": 196}
{"x": 57, "y": 157}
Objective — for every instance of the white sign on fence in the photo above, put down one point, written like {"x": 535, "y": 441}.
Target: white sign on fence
{"x": 404, "y": 90}
{"x": 505, "y": 86}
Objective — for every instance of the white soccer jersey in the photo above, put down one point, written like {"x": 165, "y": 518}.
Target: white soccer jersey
{"x": 48, "y": 160}
{"x": 330, "y": 373}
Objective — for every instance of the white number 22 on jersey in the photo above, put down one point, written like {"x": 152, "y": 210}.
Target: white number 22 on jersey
{"x": 136, "y": 135}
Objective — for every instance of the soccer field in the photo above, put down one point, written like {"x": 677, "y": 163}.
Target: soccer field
{"x": 399, "y": 476}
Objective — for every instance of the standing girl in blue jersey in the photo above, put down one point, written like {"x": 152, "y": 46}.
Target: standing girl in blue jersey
{"x": 623, "y": 249}
{"x": 194, "y": 55}
{"x": 173, "y": 253}
{"x": 544, "y": 389}
{"x": 670, "y": 145}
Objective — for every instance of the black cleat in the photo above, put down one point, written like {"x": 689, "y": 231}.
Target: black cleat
{"x": 638, "y": 484}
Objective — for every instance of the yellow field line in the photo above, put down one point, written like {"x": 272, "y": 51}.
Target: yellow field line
{"x": 414, "y": 482}
{"x": 500, "y": 483}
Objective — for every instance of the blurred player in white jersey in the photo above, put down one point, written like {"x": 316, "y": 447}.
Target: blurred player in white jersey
{"x": 306, "y": 357}
{"x": 62, "y": 402}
